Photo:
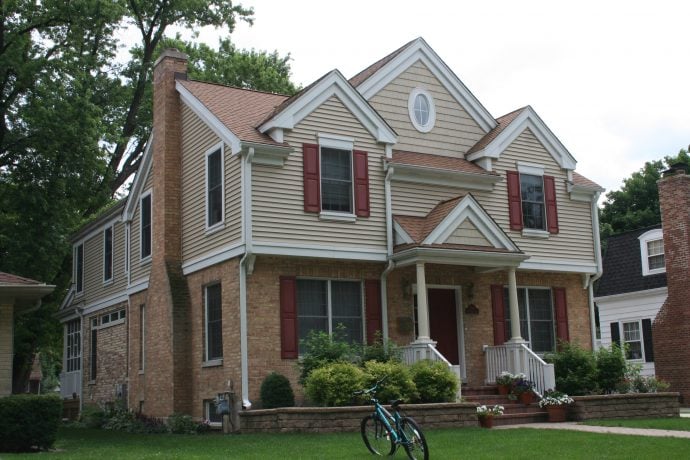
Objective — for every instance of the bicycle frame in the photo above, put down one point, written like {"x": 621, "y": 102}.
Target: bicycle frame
{"x": 386, "y": 418}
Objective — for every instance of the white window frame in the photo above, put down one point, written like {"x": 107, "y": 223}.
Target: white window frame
{"x": 621, "y": 326}
{"x": 207, "y": 413}
{"x": 110, "y": 227}
{"x": 528, "y": 318}
{"x": 221, "y": 223}
{"x": 73, "y": 353}
{"x": 419, "y": 91}
{"x": 113, "y": 319}
{"x": 329, "y": 302}
{"x": 334, "y": 141}
{"x": 77, "y": 260}
{"x": 533, "y": 169}
{"x": 145, "y": 258}
{"x": 142, "y": 338}
{"x": 649, "y": 236}
{"x": 217, "y": 360}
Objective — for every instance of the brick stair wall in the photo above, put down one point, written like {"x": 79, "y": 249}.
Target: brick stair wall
{"x": 514, "y": 411}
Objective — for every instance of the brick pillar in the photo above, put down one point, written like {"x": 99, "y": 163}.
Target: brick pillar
{"x": 671, "y": 328}
{"x": 168, "y": 386}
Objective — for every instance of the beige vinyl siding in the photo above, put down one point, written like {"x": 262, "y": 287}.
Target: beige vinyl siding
{"x": 466, "y": 233}
{"x": 197, "y": 139}
{"x": 454, "y": 132}
{"x": 573, "y": 242}
{"x": 277, "y": 193}
{"x": 139, "y": 271}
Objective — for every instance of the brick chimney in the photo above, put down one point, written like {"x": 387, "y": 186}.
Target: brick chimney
{"x": 166, "y": 386}
{"x": 671, "y": 330}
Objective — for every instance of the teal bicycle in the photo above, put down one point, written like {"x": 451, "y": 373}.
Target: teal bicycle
{"x": 383, "y": 432}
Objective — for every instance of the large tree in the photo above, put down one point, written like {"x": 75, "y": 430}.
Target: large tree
{"x": 74, "y": 122}
{"x": 636, "y": 204}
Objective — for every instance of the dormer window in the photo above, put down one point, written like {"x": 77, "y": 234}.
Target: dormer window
{"x": 652, "y": 252}
{"x": 422, "y": 110}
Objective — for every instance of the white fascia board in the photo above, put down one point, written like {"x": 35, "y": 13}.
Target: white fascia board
{"x": 333, "y": 84}
{"x": 458, "y": 257}
{"x": 98, "y": 230}
{"x": 105, "y": 303}
{"x": 400, "y": 231}
{"x": 559, "y": 265}
{"x": 527, "y": 119}
{"x": 67, "y": 301}
{"x": 579, "y": 193}
{"x": 662, "y": 291}
{"x": 221, "y": 255}
{"x": 138, "y": 286}
{"x": 268, "y": 155}
{"x": 318, "y": 251}
{"x": 139, "y": 180}
{"x": 468, "y": 208}
{"x": 443, "y": 177}
{"x": 421, "y": 51}
{"x": 201, "y": 111}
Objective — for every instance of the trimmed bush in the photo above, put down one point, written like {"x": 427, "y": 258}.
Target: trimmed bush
{"x": 182, "y": 424}
{"x": 378, "y": 351}
{"x": 398, "y": 384}
{"x": 611, "y": 368}
{"x": 320, "y": 349}
{"x": 276, "y": 392}
{"x": 29, "y": 422}
{"x": 575, "y": 368}
{"x": 92, "y": 416}
{"x": 333, "y": 384}
{"x": 435, "y": 382}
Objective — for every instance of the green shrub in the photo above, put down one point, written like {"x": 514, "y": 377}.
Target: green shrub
{"x": 435, "y": 382}
{"x": 648, "y": 384}
{"x": 611, "y": 368}
{"x": 182, "y": 424}
{"x": 398, "y": 383}
{"x": 575, "y": 368}
{"x": 333, "y": 384}
{"x": 380, "y": 351}
{"x": 121, "y": 419}
{"x": 92, "y": 416}
{"x": 276, "y": 392}
{"x": 28, "y": 422}
{"x": 320, "y": 349}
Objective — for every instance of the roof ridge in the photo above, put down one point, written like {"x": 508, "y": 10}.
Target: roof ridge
{"x": 192, "y": 80}
{"x": 371, "y": 69}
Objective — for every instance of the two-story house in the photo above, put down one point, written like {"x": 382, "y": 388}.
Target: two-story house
{"x": 392, "y": 201}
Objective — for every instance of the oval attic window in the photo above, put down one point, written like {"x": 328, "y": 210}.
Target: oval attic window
{"x": 422, "y": 111}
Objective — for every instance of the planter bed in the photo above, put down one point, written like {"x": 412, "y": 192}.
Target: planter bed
{"x": 642, "y": 405}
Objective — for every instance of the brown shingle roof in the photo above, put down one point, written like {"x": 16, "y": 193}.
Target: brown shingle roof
{"x": 419, "y": 227}
{"x": 582, "y": 181}
{"x": 240, "y": 110}
{"x": 503, "y": 122}
{"x": 8, "y": 278}
{"x": 362, "y": 76}
{"x": 438, "y": 162}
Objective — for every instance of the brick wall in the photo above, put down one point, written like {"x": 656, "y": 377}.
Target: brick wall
{"x": 671, "y": 327}
{"x": 137, "y": 383}
{"x": 626, "y": 406}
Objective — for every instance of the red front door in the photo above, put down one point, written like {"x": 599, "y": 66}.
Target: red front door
{"x": 443, "y": 322}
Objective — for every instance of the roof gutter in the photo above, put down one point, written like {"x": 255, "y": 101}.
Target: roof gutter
{"x": 246, "y": 268}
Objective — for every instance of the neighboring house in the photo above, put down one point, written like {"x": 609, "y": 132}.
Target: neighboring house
{"x": 389, "y": 202}
{"x": 631, "y": 292}
{"x": 17, "y": 295}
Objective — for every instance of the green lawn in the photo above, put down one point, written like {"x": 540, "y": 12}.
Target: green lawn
{"x": 475, "y": 443}
{"x": 677, "y": 424}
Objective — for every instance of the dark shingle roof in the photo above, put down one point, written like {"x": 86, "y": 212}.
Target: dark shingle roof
{"x": 623, "y": 266}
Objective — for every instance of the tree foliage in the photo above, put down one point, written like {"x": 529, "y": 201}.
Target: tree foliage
{"x": 636, "y": 204}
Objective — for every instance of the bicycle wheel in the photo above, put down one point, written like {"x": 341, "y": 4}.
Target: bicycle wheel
{"x": 376, "y": 436}
{"x": 415, "y": 446}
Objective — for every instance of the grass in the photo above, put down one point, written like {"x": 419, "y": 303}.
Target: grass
{"x": 476, "y": 443}
{"x": 675, "y": 424}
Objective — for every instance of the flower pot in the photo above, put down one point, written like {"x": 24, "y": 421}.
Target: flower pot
{"x": 486, "y": 421}
{"x": 526, "y": 398}
{"x": 503, "y": 389}
{"x": 556, "y": 413}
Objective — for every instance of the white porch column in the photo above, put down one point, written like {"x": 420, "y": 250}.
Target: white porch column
{"x": 422, "y": 306}
{"x": 514, "y": 310}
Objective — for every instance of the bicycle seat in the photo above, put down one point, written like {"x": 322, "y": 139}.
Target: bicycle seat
{"x": 396, "y": 402}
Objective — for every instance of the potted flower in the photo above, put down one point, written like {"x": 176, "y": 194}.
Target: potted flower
{"x": 523, "y": 389}
{"x": 556, "y": 404}
{"x": 504, "y": 382}
{"x": 486, "y": 415}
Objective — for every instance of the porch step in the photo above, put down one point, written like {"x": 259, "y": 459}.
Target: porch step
{"x": 480, "y": 390}
{"x": 514, "y": 411}
{"x": 522, "y": 417}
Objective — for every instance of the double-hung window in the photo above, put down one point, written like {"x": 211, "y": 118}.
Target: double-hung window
{"x": 532, "y": 200}
{"x": 79, "y": 268}
{"x": 73, "y": 345}
{"x": 145, "y": 217}
{"x": 214, "y": 323}
{"x": 536, "y": 318}
{"x": 336, "y": 180}
{"x": 214, "y": 187}
{"x": 330, "y": 305}
{"x": 533, "y": 208}
{"x": 632, "y": 337}
{"x": 652, "y": 252}
{"x": 108, "y": 254}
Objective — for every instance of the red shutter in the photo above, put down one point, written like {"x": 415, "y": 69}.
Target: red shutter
{"x": 514, "y": 200}
{"x": 372, "y": 291}
{"x": 288, "y": 317}
{"x": 312, "y": 180}
{"x": 561, "y": 314}
{"x": 361, "y": 175}
{"x": 550, "y": 199}
{"x": 498, "y": 307}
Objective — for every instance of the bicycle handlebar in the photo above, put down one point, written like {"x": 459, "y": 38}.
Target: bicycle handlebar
{"x": 372, "y": 389}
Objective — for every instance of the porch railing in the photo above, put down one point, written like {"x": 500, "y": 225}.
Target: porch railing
{"x": 519, "y": 358}
{"x": 415, "y": 352}
{"x": 70, "y": 384}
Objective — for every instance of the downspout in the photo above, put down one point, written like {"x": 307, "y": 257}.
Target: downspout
{"x": 600, "y": 269}
{"x": 81, "y": 359}
{"x": 246, "y": 265}
{"x": 389, "y": 252}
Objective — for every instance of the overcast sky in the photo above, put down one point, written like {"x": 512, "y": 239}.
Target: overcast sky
{"x": 611, "y": 79}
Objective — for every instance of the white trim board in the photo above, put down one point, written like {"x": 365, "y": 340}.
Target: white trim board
{"x": 318, "y": 251}
{"x": 558, "y": 265}
{"x": 212, "y": 258}
{"x": 633, "y": 294}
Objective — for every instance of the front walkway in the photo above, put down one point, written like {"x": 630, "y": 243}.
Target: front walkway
{"x": 601, "y": 429}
